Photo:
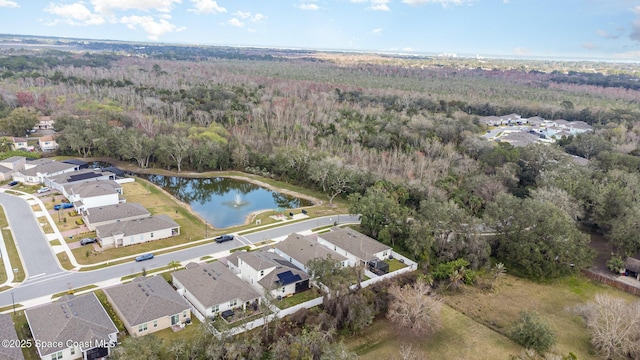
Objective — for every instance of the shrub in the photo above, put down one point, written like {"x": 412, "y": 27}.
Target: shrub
{"x": 616, "y": 264}
{"x": 532, "y": 332}
{"x": 79, "y": 222}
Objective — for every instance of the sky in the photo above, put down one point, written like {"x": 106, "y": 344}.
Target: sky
{"x": 552, "y": 29}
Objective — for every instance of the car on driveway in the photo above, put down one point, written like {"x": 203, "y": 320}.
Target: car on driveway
{"x": 87, "y": 241}
{"x": 223, "y": 238}
{"x": 43, "y": 190}
{"x": 63, "y": 206}
{"x": 144, "y": 257}
{"x": 13, "y": 183}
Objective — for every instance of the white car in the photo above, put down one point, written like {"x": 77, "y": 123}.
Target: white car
{"x": 43, "y": 190}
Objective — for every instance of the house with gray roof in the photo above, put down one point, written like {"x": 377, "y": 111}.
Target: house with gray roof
{"x": 356, "y": 247}
{"x": 34, "y": 172}
{"x": 110, "y": 214}
{"x": 535, "y": 121}
{"x": 8, "y": 332}
{"x": 73, "y": 327}
{"x": 10, "y": 165}
{"x": 147, "y": 305}
{"x": 89, "y": 194}
{"x": 299, "y": 250}
{"x": 268, "y": 271}
{"x": 491, "y": 120}
{"x": 519, "y": 139}
{"x": 131, "y": 232}
{"x": 59, "y": 181}
{"x": 212, "y": 288}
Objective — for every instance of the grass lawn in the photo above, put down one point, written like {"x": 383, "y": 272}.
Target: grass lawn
{"x": 14, "y": 257}
{"x": 459, "y": 338}
{"x": 394, "y": 265}
{"x": 298, "y": 298}
{"x": 55, "y": 242}
{"x": 64, "y": 261}
{"x": 72, "y": 291}
{"x": 44, "y": 223}
{"x": 498, "y": 309}
{"x": 190, "y": 332}
{"x": 24, "y": 333}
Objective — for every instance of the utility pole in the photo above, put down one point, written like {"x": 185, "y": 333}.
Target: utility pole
{"x": 13, "y": 303}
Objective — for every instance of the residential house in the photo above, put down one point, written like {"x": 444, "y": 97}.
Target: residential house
{"x": 519, "y": 139}
{"x": 213, "y": 289}
{"x": 268, "y": 271}
{"x": 44, "y": 123}
{"x": 147, "y": 305}
{"x": 73, "y": 327}
{"x": 10, "y": 165}
{"x": 356, "y": 247}
{"x": 82, "y": 165}
{"x": 491, "y": 120}
{"x": 512, "y": 119}
{"x": 88, "y": 194}
{"x": 8, "y": 333}
{"x": 36, "y": 171}
{"x": 59, "y": 181}
{"x": 299, "y": 250}
{"x": 47, "y": 143}
{"x": 579, "y": 127}
{"x": 19, "y": 143}
{"x": 131, "y": 232}
{"x": 561, "y": 123}
{"x": 110, "y": 214}
{"x": 535, "y": 121}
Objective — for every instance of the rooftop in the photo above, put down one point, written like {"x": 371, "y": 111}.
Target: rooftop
{"x": 47, "y": 168}
{"x": 78, "y": 319}
{"x": 93, "y": 188}
{"x": 8, "y": 332}
{"x": 304, "y": 249}
{"x": 354, "y": 242}
{"x": 115, "y": 212}
{"x": 213, "y": 284}
{"x": 138, "y": 226}
{"x": 146, "y": 299}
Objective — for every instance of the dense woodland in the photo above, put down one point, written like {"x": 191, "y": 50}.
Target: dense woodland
{"x": 398, "y": 138}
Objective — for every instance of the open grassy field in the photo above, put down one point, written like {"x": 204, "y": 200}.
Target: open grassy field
{"x": 476, "y": 322}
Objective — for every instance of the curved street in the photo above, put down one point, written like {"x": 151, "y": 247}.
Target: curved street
{"x": 51, "y": 279}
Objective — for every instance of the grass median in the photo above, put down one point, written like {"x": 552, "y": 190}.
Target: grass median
{"x": 12, "y": 250}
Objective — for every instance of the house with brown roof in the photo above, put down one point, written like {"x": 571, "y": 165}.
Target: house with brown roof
{"x": 131, "y": 232}
{"x": 213, "y": 289}
{"x": 73, "y": 327}
{"x": 356, "y": 247}
{"x": 44, "y": 123}
{"x": 147, "y": 305}
{"x": 111, "y": 214}
{"x": 8, "y": 332}
{"x": 19, "y": 143}
{"x": 300, "y": 250}
{"x": 47, "y": 143}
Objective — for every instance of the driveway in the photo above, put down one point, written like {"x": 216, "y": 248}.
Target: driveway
{"x": 37, "y": 257}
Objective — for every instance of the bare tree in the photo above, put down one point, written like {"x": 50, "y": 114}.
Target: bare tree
{"x": 414, "y": 308}
{"x": 613, "y": 324}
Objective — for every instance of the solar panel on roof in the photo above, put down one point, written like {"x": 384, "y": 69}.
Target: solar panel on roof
{"x": 85, "y": 176}
{"x": 287, "y": 277}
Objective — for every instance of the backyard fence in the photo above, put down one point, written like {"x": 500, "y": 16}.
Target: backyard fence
{"x": 612, "y": 282}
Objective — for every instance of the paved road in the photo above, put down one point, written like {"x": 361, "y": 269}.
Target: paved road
{"x": 63, "y": 281}
{"x": 38, "y": 258}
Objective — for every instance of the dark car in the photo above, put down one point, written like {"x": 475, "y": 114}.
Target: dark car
{"x": 144, "y": 257}
{"x": 13, "y": 183}
{"x": 63, "y": 206}
{"x": 223, "y": 238}
{"x": 87, "y": 241}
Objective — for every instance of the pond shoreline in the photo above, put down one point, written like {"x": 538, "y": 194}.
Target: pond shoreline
{"x": 131, "y": 168}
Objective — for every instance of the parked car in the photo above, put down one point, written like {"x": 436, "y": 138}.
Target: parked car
{"x": 144, "y": 257}
{"x": 62, "y": 206}
{"x": 87, "y": 241}
{"x": 223, "y": 238}
{"x": 43, "y": 190}
{"x": 13, "y": 183}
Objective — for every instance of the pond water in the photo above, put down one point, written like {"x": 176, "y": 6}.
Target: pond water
{"x": 224, "y": 202}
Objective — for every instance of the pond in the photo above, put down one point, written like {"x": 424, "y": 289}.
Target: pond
{"x": 224, "y": 202}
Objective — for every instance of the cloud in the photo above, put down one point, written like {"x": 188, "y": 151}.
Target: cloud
{"x": 153, "y": 28}
{"x": 607, "y": 35}
{"x": 108, "y": 6}
{"x": 376, "y": 5}
{"x": 407, "y": 49}
{"x": 521, "y": 51}
{"x": 206, "y": 7}
{"x": 235, "y": 22}
{"x": 444, "y": 3}
{"x": 635, "y": 27}
{"x": 73, "y": 14}
{"x": 312, "y": 7}
{"x": 633, "y": 55}
{"x": 377, "y": 31}
{"x": 506, "y": 1}
{"x": 8, "y": 3}
{"x": 590, "y": 46}
{"x": 245, "y": 15}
